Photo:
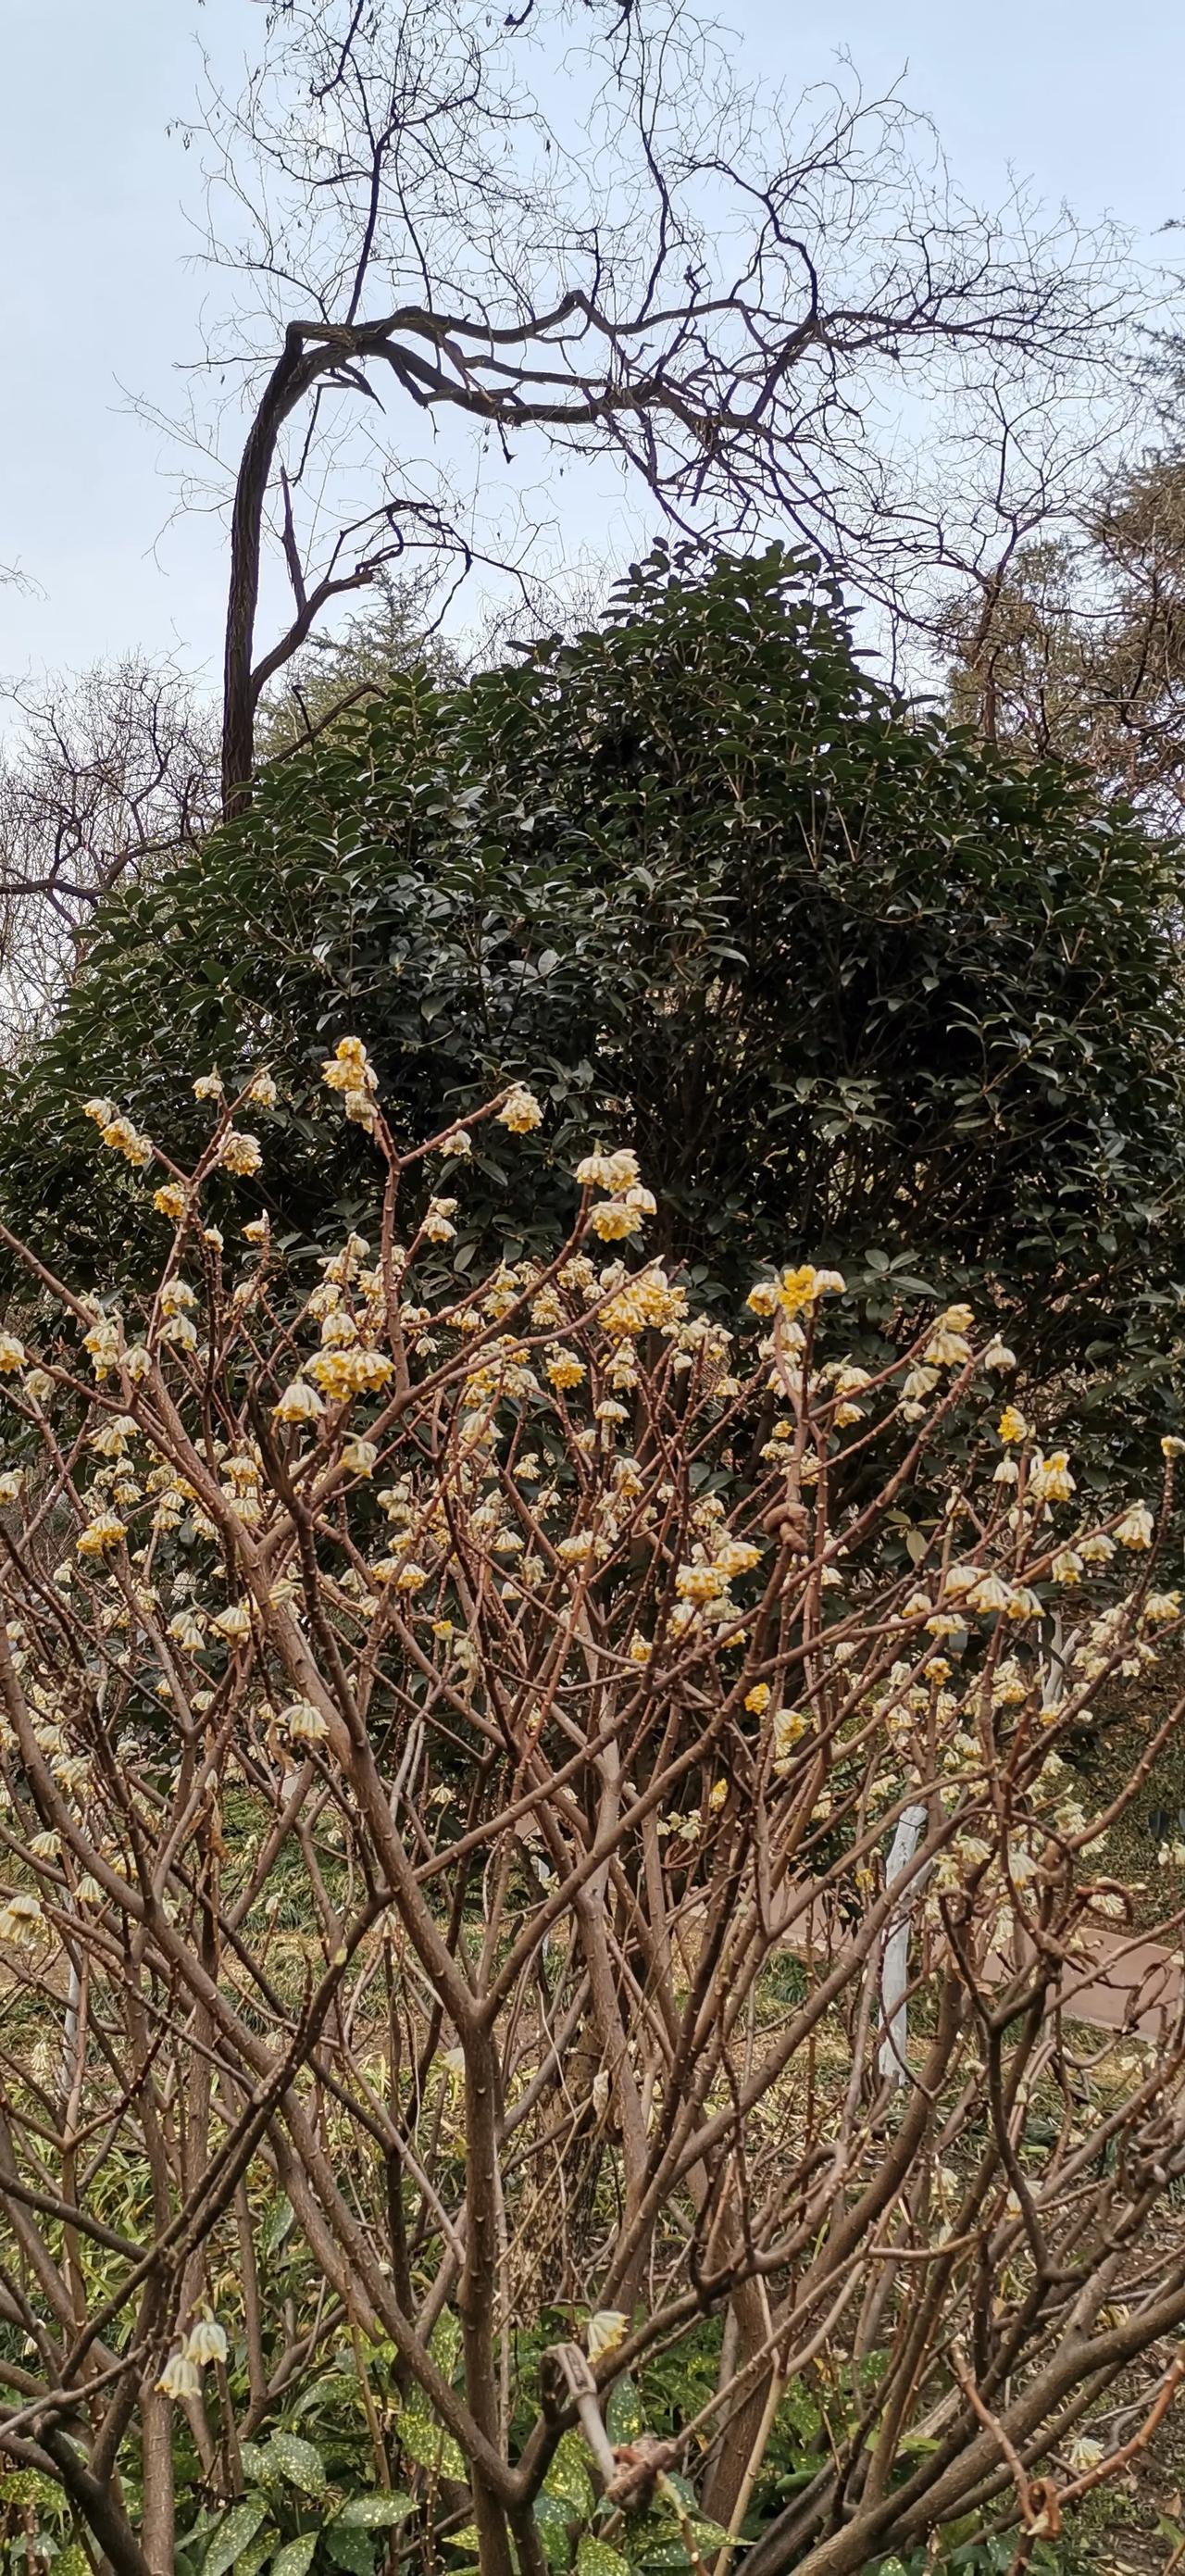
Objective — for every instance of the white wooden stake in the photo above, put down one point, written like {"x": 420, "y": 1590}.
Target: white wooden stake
{"x": 893, "y": 2062}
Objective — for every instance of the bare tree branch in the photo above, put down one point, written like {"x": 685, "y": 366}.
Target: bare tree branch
{"x": 736, "y": 301}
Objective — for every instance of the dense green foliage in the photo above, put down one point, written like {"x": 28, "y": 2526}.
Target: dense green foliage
{"x": 852, "y": 983}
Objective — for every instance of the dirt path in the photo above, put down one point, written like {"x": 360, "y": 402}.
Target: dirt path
{"x": 1130, "y": 1984}
{"x": 1125, "y": 1982}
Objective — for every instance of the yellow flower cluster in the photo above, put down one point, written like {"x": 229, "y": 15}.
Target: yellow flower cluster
{"x": 613, "y": 1172}
{"x": 303, "y": 1722}
{"x": 101, "y": 1535}
{"x": 1050, "y": 1480}
{"x": 21, "y": 1917}
{"x": 240, "y": 1154}
{"x": 646, "y": 1302}
{"x": 349, "y": 1071}
{"x": 794, "y": 1289}
{"x": 616, "y": 1218}
{"x": 707, "y": 1579}
{"x": 233, "y": 1623}
{"x": 341, "y": 1374}
{"x": 298, "y": 1403}
{"x": 789, "y": 1727}
{"x": 520, "y": 1111}
{"x": 1135, "y": 1530}
{"x": 948, "y": 1346}
{"x": 438, "y": 1220}
{"x": 102, "y": 1344}
{"x": 118, "y": 1132}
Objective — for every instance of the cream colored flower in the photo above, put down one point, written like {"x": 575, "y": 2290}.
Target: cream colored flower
{"x": 205, "y": 2341}
{"x": 125, "y": 1139}
{"x": 438, "y": 1224}
{"x": 991, "y": 1593}
{"x": 599, "y": 1171}
{"x": 304, "y": 1722}
{"x": 698, "y": 1583}
{"x": 240, "y": 1154}
{"x": 520, "y": 1111}
{"x": 101, "y": 1534}
{"x": 614, "y": 1220}
{"x": 1096, "y": 1550}
{"x": 183, "y": 1627}
{"x": 959, "y": 1580}
{"x": 169, "y": 1200}
{"x": 606, "y": 2330}
{"x": 946, "y": 1349}
{"x": 21, "y": 1918}
{"x": 180, "y": 1331}
{"x": 737, "y": 1556}
{"x": 180, "y": 2377}
{"x": 948, "y": 1346}
{"x": 234, "y": 1622}
{"x": 1050, "y": 1480}
{"x": 797, "y": 1288}
{"x": 101, "y": 1345}
{"x": 298, "y": 1403}
{"x": 789, "y": 1727}
{"x": 348, "y": 1069}
{"x": 114, "y": 1435}
{"x": 1135, "y": 1529}
{"x": 343, "y": 1374}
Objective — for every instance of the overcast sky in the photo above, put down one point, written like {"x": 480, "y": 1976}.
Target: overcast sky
{"x": 100, "y": 303}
